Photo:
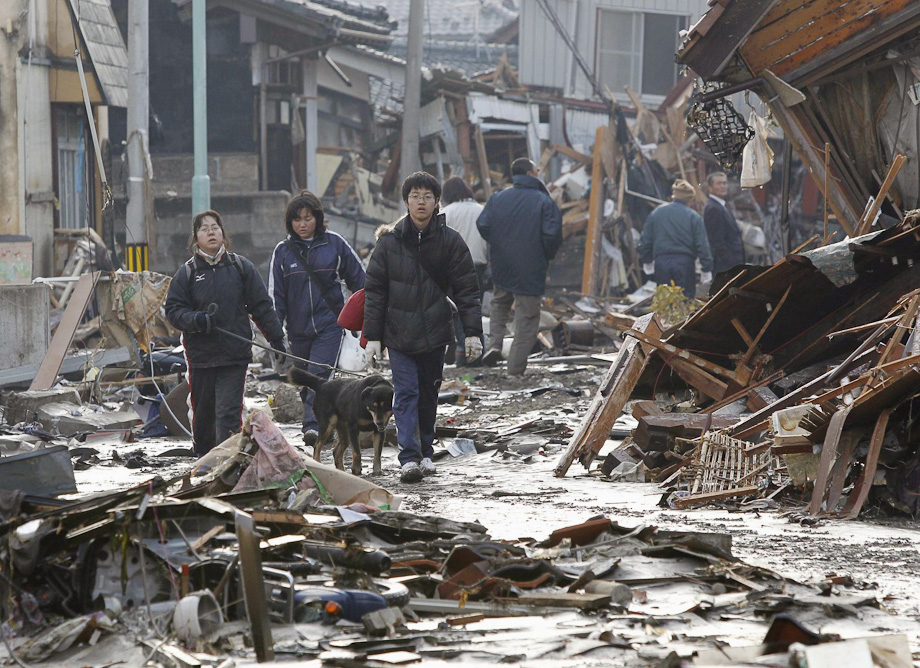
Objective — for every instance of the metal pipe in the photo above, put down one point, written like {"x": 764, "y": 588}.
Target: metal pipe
{"x": 731, "y": 90}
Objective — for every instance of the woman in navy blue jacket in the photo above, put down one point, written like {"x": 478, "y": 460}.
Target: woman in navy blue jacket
{"x": 307, "y": 272}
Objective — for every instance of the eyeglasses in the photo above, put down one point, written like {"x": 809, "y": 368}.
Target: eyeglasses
{"x": 209, "y": 228}
{"x": 427, "y": 199}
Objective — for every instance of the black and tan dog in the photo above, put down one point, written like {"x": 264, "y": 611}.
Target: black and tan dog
{"x": 347, "y": 406}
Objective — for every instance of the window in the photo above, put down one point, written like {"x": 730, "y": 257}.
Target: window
{"x": 637, "y": 50}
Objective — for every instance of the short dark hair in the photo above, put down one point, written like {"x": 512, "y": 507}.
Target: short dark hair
{"x": 455, "y": 190}
{"x": 421, "y": 180}
{"x": 198, "y": 221}
{"x": 522, "y": 166}
{"x": 712, "y": 177}
{"x": 304, "y": 200}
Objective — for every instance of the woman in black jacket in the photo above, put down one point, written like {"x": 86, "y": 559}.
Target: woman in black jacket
{"x": 217, "y": 288}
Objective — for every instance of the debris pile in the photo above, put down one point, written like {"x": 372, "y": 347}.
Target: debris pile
{"x": 242, "y": 559}
{"x": 796, "y": 379}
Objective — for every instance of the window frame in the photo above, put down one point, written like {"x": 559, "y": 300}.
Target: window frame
{"x": 639, "y": 32}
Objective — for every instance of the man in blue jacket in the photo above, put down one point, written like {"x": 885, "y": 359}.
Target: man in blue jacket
{"x": 308, "y": 269}
{"x": 523, "y": 226}
{"x": 672, "y": 238}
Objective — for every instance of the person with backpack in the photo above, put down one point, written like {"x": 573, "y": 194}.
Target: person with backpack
{"x": 218, "y": 289}
{"x": 417, "y": 261}
{"x": 308, "y": 270}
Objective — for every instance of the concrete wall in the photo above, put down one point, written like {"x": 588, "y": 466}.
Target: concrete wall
{"x": 254, "y": 221}
{"x": 172, "y": 173}
{"x": 10, "y": 200}
{"x": 24, "y": 337}
{"x": 26, "y": 176}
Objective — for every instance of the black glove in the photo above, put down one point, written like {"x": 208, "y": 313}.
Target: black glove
{"x": 203, "y": 322}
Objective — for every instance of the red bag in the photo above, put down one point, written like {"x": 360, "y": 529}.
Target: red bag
{"x": 352, "y": 315}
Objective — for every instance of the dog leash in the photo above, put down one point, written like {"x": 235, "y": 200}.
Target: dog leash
{"x": 212, "y": 309}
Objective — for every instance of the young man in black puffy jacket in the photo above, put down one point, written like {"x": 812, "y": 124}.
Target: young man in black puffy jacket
{"x": 416, "y": 263}
{"x": 217, "y": 288}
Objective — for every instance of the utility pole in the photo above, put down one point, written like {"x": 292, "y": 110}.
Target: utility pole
{"x": 311, "y": 121}
{"x": 136, "y": 248}
{"x": 201, "y": 182}
{"x": 413, "y": 100}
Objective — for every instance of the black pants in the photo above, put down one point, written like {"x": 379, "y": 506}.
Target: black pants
{"x": 679, "y": 268}
{"x": 216, "y": 396}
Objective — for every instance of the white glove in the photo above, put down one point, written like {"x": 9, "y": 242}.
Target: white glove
{"x": 649, "y": 267}
{"x": 706, "y": 277}
{"x": 373, "y": 351}
{"x": 473, "y": 348}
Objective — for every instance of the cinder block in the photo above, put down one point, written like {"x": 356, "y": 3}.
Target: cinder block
{"x": 22, "y": 406}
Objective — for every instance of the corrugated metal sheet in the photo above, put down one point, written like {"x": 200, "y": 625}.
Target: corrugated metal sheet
{"x": 581, "y": 126}
{"x": 544, "y": 58}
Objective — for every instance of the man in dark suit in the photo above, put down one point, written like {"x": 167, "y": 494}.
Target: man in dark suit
{"x": 721, "y": 228}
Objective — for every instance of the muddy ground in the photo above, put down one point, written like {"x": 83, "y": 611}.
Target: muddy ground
{"x": 509, "y": 487}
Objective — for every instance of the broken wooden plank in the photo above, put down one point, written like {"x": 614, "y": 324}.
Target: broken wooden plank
{"x": 750, "y": 351}
{"x": 702, "y": 381}
{"x": 716, "y": 496}
{"x": 680, "y": 353}
{"x": 573, "y": 154}
{"x": 610, "y": 398}
{"x": 593, "y": 243}
{"x": 828, "y": 453}
{"x": 562, "y": 600}
{"x": 483, "y": 160}
{"x": 253, "y": 587}
{"x": 63, "y": 335}
{"x": 864, "y": 483}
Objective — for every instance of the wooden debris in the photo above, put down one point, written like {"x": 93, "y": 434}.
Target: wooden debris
{"x": 610, "y": 398}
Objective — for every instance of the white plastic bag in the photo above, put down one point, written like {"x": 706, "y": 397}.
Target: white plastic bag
{"x": 757, "y": 159}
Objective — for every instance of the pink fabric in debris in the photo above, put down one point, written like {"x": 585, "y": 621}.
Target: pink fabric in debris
{"x": 275, "y": 460}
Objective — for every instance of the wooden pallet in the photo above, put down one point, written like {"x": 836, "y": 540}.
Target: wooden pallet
{"x": 722, "y": 467}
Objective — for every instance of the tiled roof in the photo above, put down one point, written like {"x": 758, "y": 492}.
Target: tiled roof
{"x": 451, "y": 18}
{"x": 463, "y": 56}
{"x": 106, "y": 48}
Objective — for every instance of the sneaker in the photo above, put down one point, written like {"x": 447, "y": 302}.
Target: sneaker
{"x": 411, "y": 473}
{"x": 310, "y": 436}
{"x": 427, "y": 467}
{"x": 492, "y": 357}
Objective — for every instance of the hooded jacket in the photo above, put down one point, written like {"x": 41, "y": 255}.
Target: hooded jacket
{"x": 309, "y": 303}
{"x": 523, "y": 226}
{"x": 406, "y": 307}
{"x": 238, "y": 293}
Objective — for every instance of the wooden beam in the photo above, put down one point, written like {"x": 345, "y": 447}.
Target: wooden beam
{"x": 63, "y": 335}
{"x": 593, "y": 242}
{"x": 684, "y": 355}
{"x": 716, "y": 496}
{"x": 828, "y": 453}
{"x": 483, "y": 160}
{"x": 573, "y": 154}
{"x": 611, "y": 397}
{"x": 763, "y": 330}
{"x": 742, "y": 332}
{"x": 864, "y": 483}
{"x": 866, "y": 221}
{"x": 700, "y": 380}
